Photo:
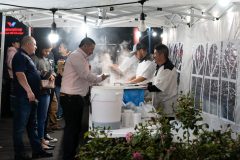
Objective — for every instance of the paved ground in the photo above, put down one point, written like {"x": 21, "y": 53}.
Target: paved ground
{"x": 6, "y": 142}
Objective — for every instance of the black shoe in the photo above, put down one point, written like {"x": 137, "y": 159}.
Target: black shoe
{"x": 51, "y": 145}
{"x": 22, "y": 157}
{"x": 50, "y": 139}
{"x": 41, "y": 154}
{"x": 47, "y": 147}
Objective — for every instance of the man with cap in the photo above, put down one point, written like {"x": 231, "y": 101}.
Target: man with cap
{"x": 164, "y": 83}
{"x": 146, "y": 66}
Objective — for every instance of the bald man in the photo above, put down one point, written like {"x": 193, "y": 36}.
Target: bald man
{"x": 26, "y": 81}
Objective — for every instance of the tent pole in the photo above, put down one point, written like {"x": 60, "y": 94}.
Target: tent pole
{"x": 29, "y": 31}
{"x": 2, "y": 58}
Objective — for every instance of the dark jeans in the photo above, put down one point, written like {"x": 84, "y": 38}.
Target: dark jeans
{"x": 60, "y": 110}
{"x": 73, "y": 107}
{"x": 25, "y": 118}
{"x": 42, "y": 113}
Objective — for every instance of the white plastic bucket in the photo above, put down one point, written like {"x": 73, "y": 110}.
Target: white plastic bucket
{"x": 106, "y": 106}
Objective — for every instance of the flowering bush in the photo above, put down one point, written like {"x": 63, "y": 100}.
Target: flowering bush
{"x": 155, "y": 140}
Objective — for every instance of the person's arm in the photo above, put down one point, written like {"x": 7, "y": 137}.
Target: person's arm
{"x": 152, "y": 88}
{"x": 11, "y": 52}
{"x": 137, "y": 80}
{"x": 21, "y": 77}
{"x": 115, "y": 68}
{"x": 44, "y": 68}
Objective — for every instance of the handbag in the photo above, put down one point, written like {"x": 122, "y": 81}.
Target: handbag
{"x": 48, "y": 84}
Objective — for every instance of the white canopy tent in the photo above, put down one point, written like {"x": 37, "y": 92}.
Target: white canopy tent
{"x": 110, "y": 13}
{"x": 189, "y": 22}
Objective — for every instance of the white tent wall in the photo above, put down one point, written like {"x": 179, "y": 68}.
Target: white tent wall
{"x": 227, "y": 28}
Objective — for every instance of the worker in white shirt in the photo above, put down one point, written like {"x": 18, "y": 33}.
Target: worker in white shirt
{"x": 146, "y": 66}
{"x": 76, "y": 81}
{"x": 164, "y": 83}
{"x": 127, "y": 68}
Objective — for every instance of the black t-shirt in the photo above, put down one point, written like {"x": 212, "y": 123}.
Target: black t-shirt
{"x": 23, "y": 63}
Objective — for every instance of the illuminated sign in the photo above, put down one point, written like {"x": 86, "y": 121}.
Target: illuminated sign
{"x": 11, "y": 24}
{"x": 12, "y": 30}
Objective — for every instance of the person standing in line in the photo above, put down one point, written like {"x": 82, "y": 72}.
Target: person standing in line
{"x": 64, "y": 53}
{"x": 11, "y": 51}
{"x": 26, "y": 81}
{"x": 51, "y": 121}
{"x": 47, "y": 73}
{"x": 164, "y": 83}
{"x": 76, "y": 80}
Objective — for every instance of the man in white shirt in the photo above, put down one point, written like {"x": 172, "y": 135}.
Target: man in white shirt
{"x": 76, "y": 80}
{"x": 146, "y": 66}
{"x": 164, "y": 83}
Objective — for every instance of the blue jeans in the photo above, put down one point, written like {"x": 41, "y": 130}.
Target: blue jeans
{"x": 42, "y": 112}
{"x": 25, "y": 118}
{"x": 60, "y": 110}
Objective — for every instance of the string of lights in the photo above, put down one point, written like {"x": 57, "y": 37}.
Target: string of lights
{"x": 77, "y": 8}
{"x": 53, "y": 36}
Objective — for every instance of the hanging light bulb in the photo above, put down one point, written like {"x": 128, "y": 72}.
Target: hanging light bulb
{"x": 154, "y": 34}
{"x": 142, "y": 26}
{"x": 53, "y": 36}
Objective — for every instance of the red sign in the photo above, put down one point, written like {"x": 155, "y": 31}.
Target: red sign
{"x": 12, "y": 30}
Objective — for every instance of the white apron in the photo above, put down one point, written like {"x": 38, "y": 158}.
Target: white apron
{"x": 166, "y": 81}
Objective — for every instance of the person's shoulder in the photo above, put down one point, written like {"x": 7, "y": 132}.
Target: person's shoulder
{"x": 76, "y": 53}
{"x": 169, "y": 65}
{"x": 18, "y": 58}
{"x": 11, "y": 49}
{"x": 19, "y": 55}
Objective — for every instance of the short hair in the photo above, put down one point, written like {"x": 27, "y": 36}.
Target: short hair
{"x": 141, "y": 46}
{"x": 26, "y": 39}
{"x": 161, "y": 48}
{"x": 87, "y": 41}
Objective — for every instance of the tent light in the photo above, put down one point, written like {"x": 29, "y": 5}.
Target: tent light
{"x": 142, "y": 26}
{"x": 53, "y": 37}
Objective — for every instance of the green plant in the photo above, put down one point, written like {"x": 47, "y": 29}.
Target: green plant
{"x": 154, "y": 140}
{"x": 189, "y": 116}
